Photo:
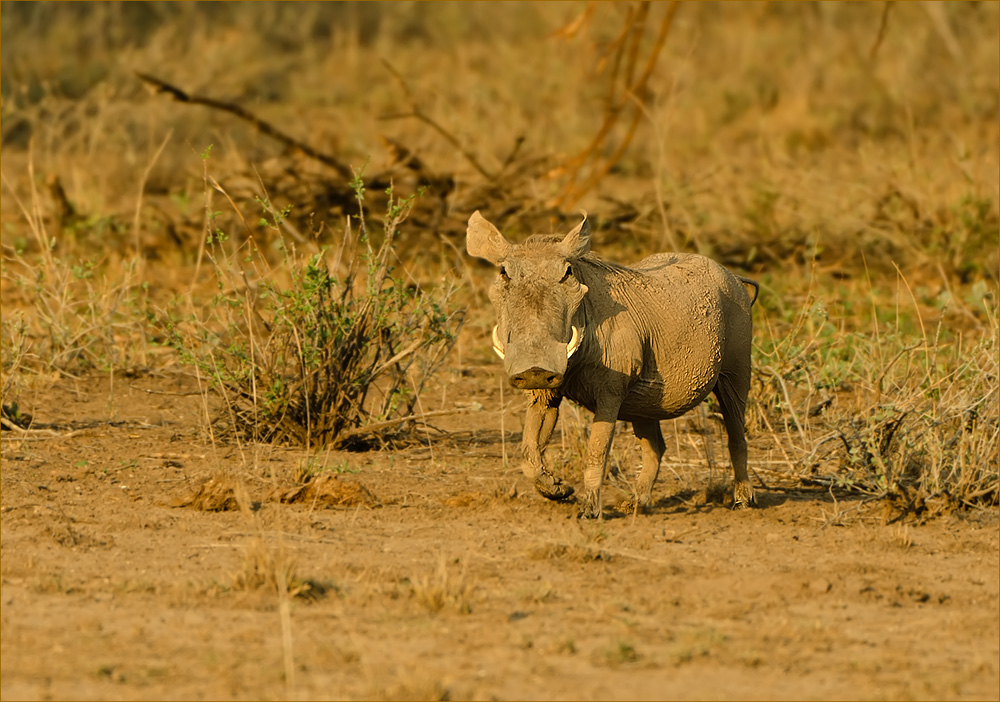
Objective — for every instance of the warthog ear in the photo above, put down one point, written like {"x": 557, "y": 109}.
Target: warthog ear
{"x": 577, "y": 242}
{"x": 485, "y": 241}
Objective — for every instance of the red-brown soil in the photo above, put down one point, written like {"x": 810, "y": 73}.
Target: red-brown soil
{"x": 436, "y": 572}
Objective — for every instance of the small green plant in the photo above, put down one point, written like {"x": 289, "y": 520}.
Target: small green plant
{"x": 322, "y": 360}
{"x": 315, "y": 466}
{"x": 620, "y": 653}
{"x": 696, "y": 643}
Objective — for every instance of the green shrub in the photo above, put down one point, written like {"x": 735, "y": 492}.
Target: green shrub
{"x": 323, "y": 360}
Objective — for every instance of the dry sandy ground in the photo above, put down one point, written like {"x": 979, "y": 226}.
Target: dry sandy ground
{"x": 435, "y": 572}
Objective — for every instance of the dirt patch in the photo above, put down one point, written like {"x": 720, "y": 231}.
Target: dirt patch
{"x": 437, "y": 572}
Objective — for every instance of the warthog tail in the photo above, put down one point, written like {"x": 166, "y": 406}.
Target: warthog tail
{"x": 756, "y": 288}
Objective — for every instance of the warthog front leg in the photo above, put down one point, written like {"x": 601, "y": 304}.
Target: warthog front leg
{"x": 538, "y": 426}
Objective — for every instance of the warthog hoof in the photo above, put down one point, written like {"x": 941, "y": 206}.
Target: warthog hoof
{"x": 630, "y": 505}
{"x": 743, "y": 496}
{"x": 552, "y": 487}
{"x": 590, "y": 506}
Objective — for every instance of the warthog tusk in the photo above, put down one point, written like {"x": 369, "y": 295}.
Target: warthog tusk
{"x": 571, "y": 347}
{"x": 496, "y": 344}
{"x": 574, "y": 343}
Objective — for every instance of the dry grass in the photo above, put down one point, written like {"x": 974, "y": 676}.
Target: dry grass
{"x": 269, "y": 568}
{"x": 218, "y": 494}
{"x": 329, "y": 490}
{"x": 844, "y": 154}
{"x": 444, "y": 588}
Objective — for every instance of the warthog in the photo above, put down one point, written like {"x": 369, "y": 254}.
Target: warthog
{"x": 639, "y": 343}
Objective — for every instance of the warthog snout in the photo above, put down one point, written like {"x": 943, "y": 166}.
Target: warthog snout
{"x": 537, "y": 366}
{"x": 536, "y": 379}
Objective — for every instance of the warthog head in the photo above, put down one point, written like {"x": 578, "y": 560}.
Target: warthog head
{"x": 536, "y": 297}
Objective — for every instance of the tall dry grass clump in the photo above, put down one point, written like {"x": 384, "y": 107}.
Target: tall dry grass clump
{"x": 83, "y": 315}
{"x": 905, "y": 409}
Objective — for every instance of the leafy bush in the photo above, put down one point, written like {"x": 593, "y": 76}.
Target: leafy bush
{"x": 322, "y": 361}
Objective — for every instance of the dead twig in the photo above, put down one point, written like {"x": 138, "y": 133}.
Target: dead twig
{"x": 148, "y": 391}
{"x": 419, "y": 114}
{"x": 882, "y": 26}
{"x": 160, "y": 86}
{"x": 37, "y": 433}
{"x": 348, "y": 435}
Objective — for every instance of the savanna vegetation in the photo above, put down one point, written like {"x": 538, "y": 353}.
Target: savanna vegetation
{"x": 844, "y": 155}
{"x": 270, "y": 200}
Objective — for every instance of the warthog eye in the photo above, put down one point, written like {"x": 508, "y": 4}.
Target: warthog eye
{"x": 503, "y": 273}
{"x": 569, "y": 272}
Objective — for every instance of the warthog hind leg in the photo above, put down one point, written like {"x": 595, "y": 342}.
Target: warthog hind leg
{"x": 731, "y": 392}
{"x": 651, "y": 440}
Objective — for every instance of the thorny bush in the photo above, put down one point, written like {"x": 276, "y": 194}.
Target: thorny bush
{"x": 325, "y": 360}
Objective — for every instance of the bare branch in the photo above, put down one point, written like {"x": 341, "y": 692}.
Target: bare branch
{"x": 418, "y": 113}
{"x": 160, "y": 86}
